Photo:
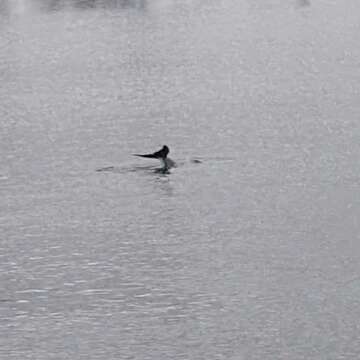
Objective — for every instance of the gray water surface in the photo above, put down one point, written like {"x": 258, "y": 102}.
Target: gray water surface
{"x": 252, "y": 252}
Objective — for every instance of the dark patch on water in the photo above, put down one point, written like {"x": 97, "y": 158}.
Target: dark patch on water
{"x": 130, "y": 169}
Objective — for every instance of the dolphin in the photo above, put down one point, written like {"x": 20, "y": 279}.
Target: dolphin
{"x": 162, "y": 156}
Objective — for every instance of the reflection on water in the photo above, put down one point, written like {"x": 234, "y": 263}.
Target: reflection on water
{"x": 110, "y": 4}
{"x": 16, "y": 6}
{"x": 4, "y": 8}
{"x": 8, "y": 7}
{"x": 303, "y": 3}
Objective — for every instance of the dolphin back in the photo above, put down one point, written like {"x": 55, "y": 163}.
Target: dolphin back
{"x": 150, "y": 156}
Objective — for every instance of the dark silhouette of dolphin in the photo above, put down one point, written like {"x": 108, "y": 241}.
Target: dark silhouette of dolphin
{"x": 161, "y": 154}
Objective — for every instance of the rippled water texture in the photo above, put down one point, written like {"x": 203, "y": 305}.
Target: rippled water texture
{"x": 248, "y": 249}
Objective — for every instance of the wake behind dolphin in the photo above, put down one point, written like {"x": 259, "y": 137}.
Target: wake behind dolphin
{"x": 162, "y": 156}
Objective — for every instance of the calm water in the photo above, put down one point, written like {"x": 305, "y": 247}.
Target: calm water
{"x": 252, "y": 253}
